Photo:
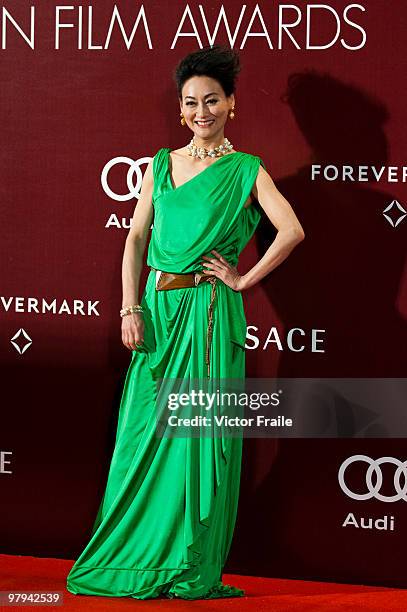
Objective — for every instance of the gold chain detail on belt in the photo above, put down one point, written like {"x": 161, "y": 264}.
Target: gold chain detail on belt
{"x": 209, "y": 331}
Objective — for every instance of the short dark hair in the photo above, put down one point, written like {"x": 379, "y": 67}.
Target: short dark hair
{"x": 217, "y": 62}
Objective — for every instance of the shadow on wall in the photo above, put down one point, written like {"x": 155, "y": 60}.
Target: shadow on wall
{"x": 344, "y": 278}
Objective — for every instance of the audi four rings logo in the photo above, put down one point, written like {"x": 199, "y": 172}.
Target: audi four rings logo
{"x": 134, "y": 169}
{"x": 373, "y": 490}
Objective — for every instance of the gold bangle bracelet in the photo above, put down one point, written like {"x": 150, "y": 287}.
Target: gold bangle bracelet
{"x": 131, "y": 309}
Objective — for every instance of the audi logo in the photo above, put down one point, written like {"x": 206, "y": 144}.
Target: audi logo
{"x": 134, "y": 168}
{"x": 373, "y": 490}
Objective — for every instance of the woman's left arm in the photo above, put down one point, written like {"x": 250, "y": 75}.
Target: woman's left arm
{"x": 289, "y": 234}
{"x": 282, "y": 216}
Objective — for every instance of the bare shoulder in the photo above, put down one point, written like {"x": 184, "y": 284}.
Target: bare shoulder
{"x": 147, "y": 182}
{"x": 262, "y": 172}
{"x": 148, "y": 173}
{"x": 263, "y": 184}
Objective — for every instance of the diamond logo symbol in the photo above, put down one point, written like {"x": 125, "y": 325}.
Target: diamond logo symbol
{"x": 398, "y": 213}
{"x": 21, "y": 341}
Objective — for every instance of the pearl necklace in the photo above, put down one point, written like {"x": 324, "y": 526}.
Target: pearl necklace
{"x": 201, "y": 152}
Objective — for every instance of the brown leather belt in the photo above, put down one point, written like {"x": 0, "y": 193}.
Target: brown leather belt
{"x": 172, "y": 280}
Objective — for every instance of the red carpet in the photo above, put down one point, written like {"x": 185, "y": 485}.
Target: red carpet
{"x": 263, "y": 594}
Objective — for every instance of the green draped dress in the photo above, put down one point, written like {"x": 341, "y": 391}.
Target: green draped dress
{"x": 166, "y": 520}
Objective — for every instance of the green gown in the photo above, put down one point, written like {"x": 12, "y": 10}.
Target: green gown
{"x": 166, "y": 520}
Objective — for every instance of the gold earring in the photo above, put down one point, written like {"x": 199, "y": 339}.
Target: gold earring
{"x": 183, "y": 122}
{"x": 232, "y": 114}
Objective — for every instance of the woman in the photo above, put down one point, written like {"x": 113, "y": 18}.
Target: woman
{"x": 165, "y": 525}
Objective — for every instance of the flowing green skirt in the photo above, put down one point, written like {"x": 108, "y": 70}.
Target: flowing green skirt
{"x": 166, "y": 521}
